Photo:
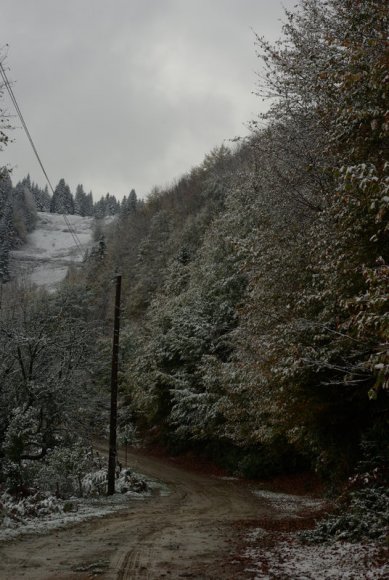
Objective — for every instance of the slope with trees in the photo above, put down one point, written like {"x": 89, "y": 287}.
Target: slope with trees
{"x": 255, "y": 287}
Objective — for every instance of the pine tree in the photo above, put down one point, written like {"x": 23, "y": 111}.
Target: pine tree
{"x": 62, "y": 200}
{"x": 7, "y": 238}
{"x": 80, "y": 201}
{"x": 112, "y": 206}
{"x": 89, "y": 204}
{"x": 7, "y": 231}
{"x": 45, "y": 199}
{"x": 99, "y": 209}
{"x": 129, "y": 204}
{"x": 6, "y": 190}
{"x": 24, "y": 206}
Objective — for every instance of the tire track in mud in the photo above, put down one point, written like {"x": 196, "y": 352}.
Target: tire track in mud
{"x": 192, "y": 532}
{"x": 181, "y": 535}
{"x": 137, "y": 562}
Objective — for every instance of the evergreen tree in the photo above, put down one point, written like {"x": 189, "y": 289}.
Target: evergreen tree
{"x": 111, "y": 204}
{"x": 25, "y": 211}
{"x": 99, "y": 210}
{"x": 62, "y": 200}
{"x": 89, "y": 204}
{"x": 45, "y": 199}
{"x": 6, "y": 190}
{"x": 7, "y": 238}
{"x": 80, "y": 201}
{"x": 129, "y": 204}
{"x": 7, "y": 231}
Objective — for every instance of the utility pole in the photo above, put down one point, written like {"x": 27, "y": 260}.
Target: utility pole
{"x": 114, "y": 390}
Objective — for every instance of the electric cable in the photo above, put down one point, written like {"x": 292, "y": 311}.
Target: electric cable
{"x": 24, "y": 125}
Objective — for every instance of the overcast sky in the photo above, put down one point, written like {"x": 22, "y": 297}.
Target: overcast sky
{"x": 130, "y": 93}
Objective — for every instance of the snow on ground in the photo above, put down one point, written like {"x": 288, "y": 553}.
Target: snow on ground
{"x": 286, "y": 557}
{"x": 287, "y": 503}
{"x": 61, "y": 514}
{"x": 273, "y": 554}
{"x": 42, "y": 512}
{"x": 51, "y": 248}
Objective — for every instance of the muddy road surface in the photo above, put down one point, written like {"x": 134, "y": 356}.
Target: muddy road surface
{"x": 186, "y": 534}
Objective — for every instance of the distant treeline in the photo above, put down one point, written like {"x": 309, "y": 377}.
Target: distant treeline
{"x": 19, "y": 206}
{"x": 64, "y": 201}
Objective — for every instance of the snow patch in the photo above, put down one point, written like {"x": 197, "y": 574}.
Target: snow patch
{"x": 288, "y": 558}
{"x": 42, "y": 512}
{"x": 289, "y": 503}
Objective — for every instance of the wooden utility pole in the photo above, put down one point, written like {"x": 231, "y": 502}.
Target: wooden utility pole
{"x": 114, "y": 390}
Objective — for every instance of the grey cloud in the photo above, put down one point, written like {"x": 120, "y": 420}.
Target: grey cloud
{"x": 131, "y": 93}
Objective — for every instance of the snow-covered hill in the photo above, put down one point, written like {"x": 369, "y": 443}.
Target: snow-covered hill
{"x": 51, "y": 248}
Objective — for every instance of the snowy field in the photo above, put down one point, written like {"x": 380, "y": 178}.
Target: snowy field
{"x": 51, "y": 248}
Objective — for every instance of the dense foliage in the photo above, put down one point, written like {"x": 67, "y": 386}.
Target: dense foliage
{"x": 47, "y": 397}
{"x": 256, "y": 286}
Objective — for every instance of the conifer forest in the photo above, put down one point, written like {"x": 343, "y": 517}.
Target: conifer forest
{"x": 254, "y": 310}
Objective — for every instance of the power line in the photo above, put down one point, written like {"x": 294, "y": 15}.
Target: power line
{"x": 24, "y": 125}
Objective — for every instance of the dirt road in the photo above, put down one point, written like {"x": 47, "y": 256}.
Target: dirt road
{"x": 186, "y": 534}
